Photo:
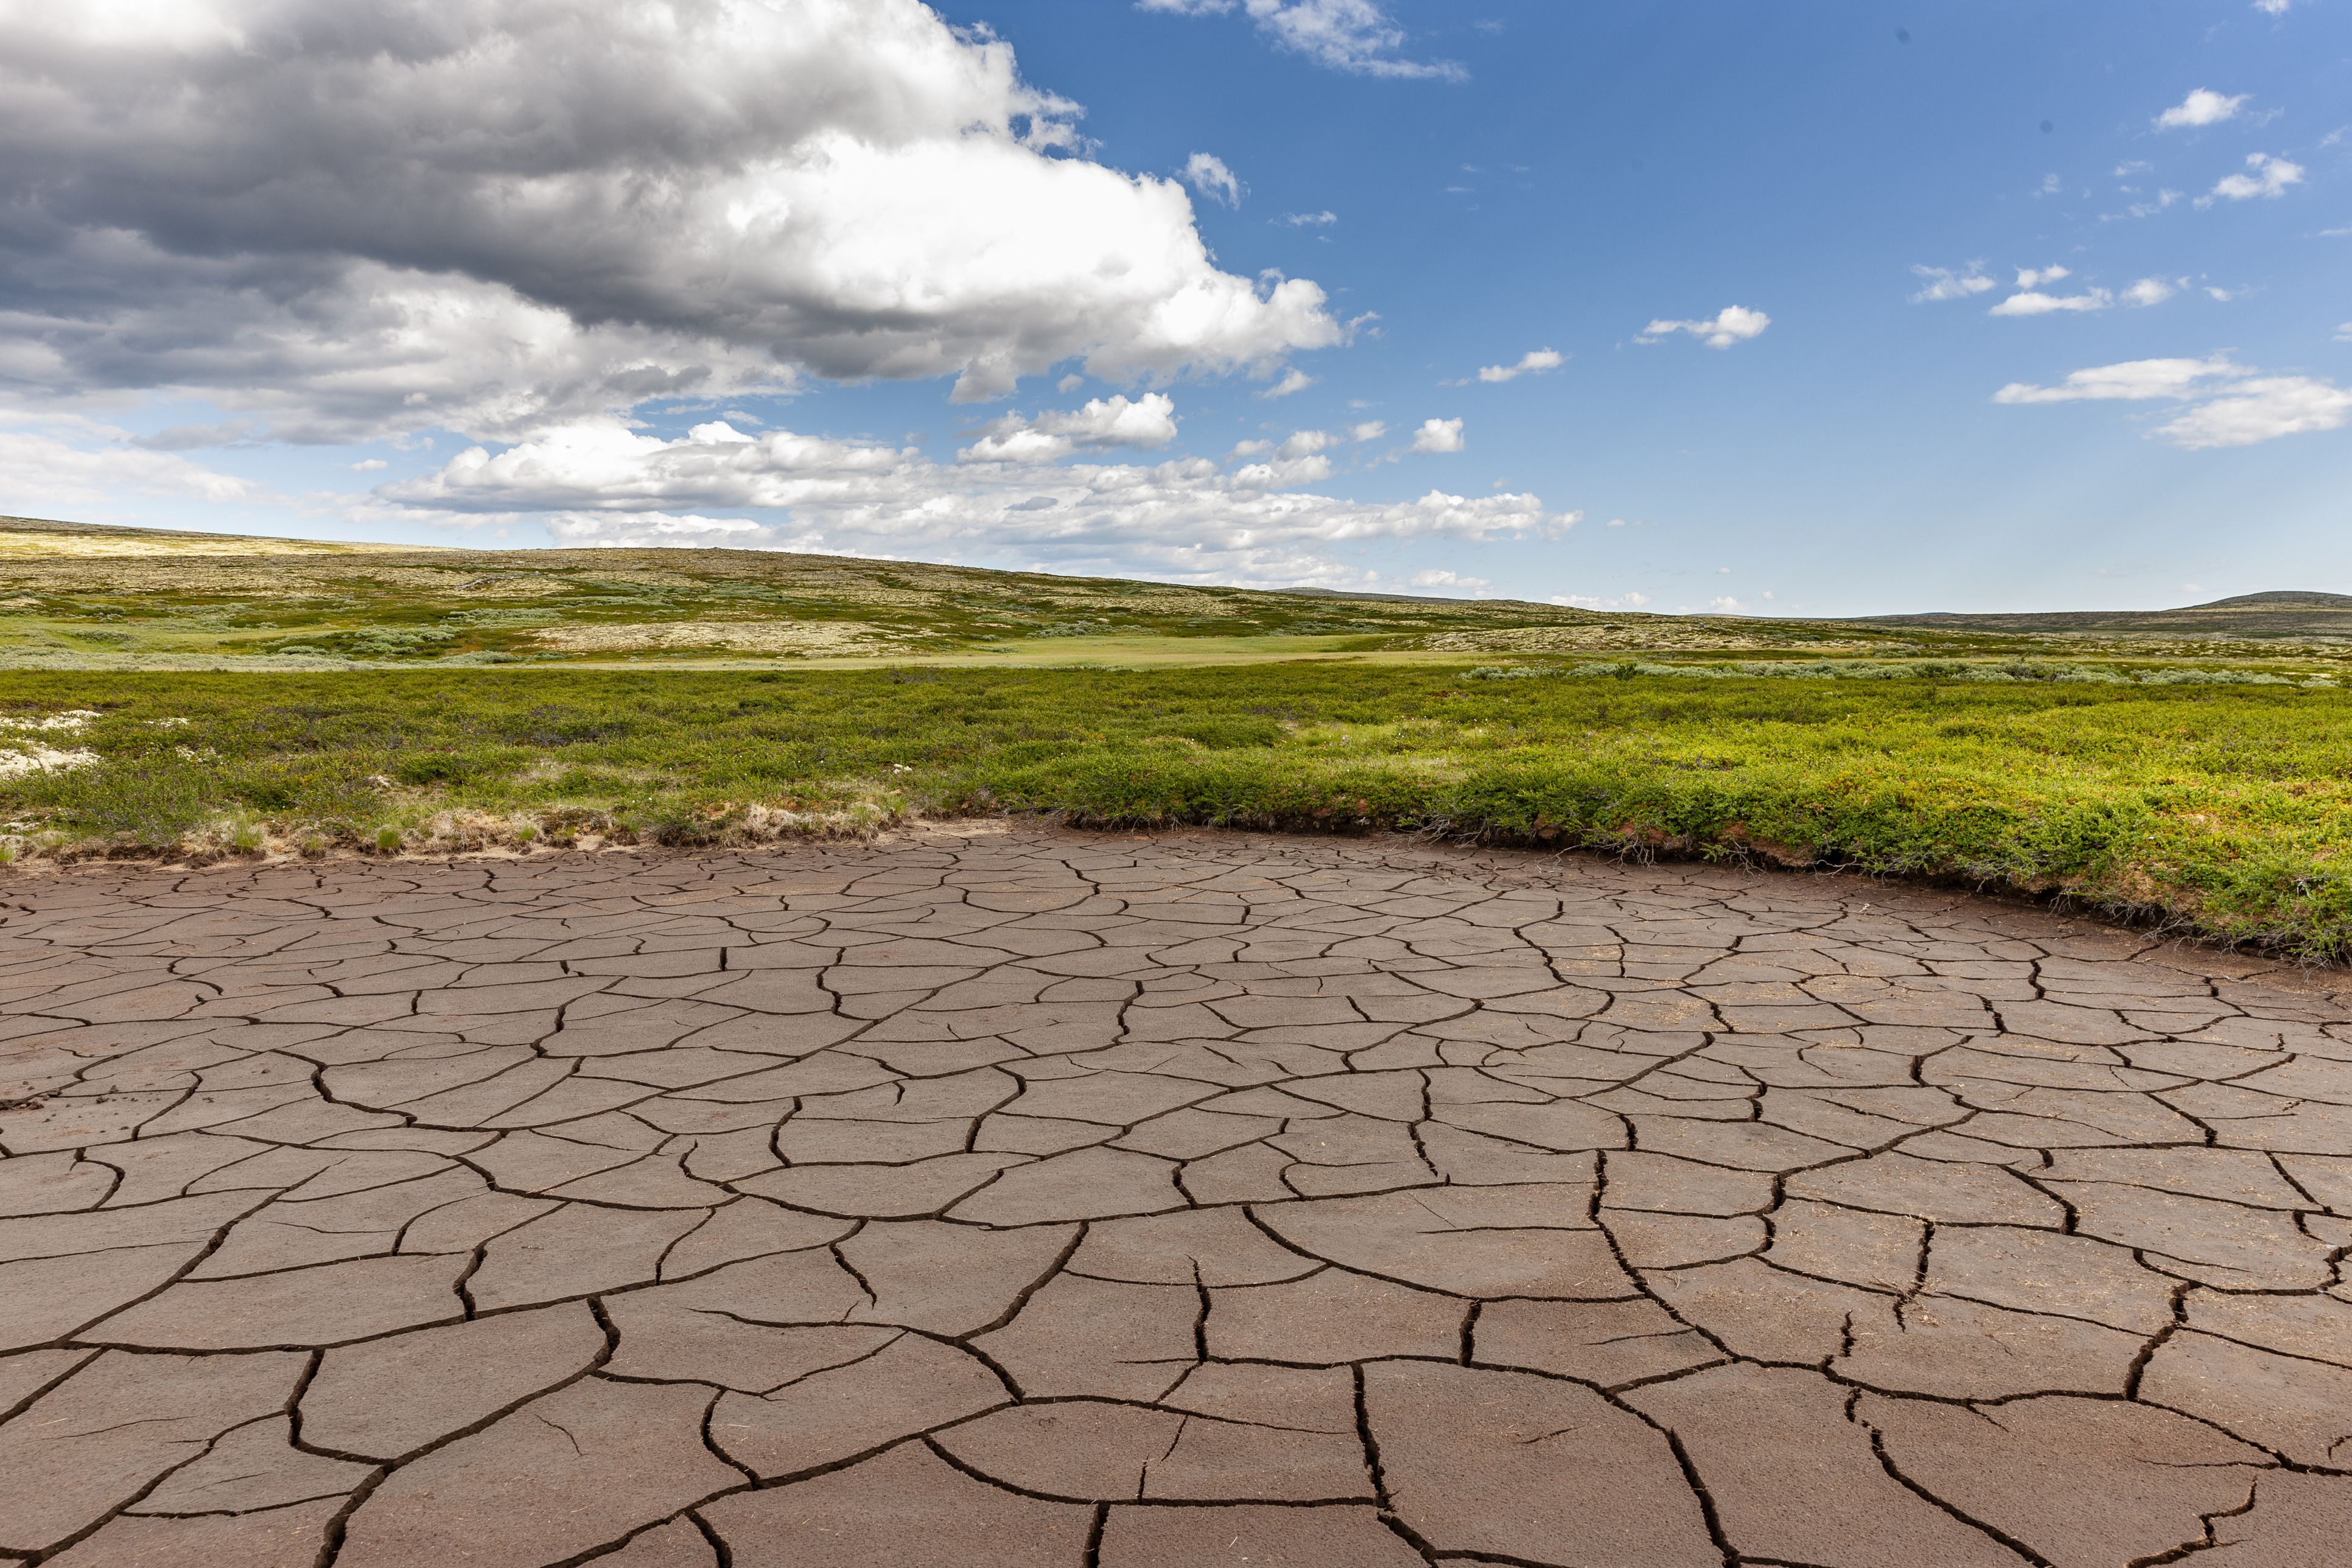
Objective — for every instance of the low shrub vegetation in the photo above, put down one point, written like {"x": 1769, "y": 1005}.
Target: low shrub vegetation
{"x": 2218, "y": 808}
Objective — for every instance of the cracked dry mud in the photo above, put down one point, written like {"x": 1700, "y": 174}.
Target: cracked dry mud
{"x": 1007, "y": 1197}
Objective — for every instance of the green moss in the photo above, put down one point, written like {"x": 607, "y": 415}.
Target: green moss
{"x": 2224, "y": 808}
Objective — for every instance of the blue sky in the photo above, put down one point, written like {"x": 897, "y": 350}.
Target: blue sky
{"x": 2131, "y": 392}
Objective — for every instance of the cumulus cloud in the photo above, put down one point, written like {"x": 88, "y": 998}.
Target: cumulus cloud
{"x": 1184, "y": 518}
{"x": 2229, "y": 405}
{"x": 2261, "y": 409}
{"x": 1732, "y": 324}
{"x": 79, "y": 466}
{"x": 2149, "y": 291}
{"x": 1535, "y": 361}
{"x": 2268, "y": 176}
{"x": 1147, "y": 421}
{"x": 1293, "y": 380}
{"x": 1944, "y": 283}
{"x": 1439, "y": 436}
{"x": 2034, "y": 302}
{"x": 1345, "y": 34}
{"x": 1374, "y": 429}
{"x": 492, "y": 214}
{"x": 1208, "y": 175}
{"x": 2132, "y": 380}
{"x": 1439, "y": 578}
{"x": 2202, "y": 107}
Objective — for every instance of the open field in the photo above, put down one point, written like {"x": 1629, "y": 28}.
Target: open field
{"x": 2223, "y": 808}
{"x": 79, "y": 597}
{"x": 189, "y": 694}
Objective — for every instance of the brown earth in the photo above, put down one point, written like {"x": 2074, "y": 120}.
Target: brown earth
{"x": 988, "y": 1197}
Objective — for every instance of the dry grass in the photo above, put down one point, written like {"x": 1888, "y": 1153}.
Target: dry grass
{"x": 796, "y": 639}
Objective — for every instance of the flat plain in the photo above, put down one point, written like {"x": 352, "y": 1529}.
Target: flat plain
{"x": 997, "y": 1195}
{"x": 187, "y": 697}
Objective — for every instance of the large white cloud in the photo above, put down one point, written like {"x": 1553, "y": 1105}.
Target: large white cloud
{"x": 1185, "y": 517}
{"x": 490, "y": 213}
{"x": 2229, "y": 404}
{"x": 69, "y": 465}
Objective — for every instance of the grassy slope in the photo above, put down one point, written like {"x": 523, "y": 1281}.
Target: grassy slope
{"x": 2225, "y": 809}
{"x": 81, "y": 597}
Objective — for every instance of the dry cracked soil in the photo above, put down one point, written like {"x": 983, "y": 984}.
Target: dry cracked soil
{"x": 1007, "y": 1199}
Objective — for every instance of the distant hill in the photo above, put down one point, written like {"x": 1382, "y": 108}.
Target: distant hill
{"x": 81, "y": 595}
{"x": 2281, "y": 612}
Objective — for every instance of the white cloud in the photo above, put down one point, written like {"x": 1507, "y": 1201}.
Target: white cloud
{"x": 657, "y": 531}
{"x": 1184, "y": 518}
{"x": 2273, "y": 7}
{"x": 2164, "y": 198}
{"x": 1725, "y": 605}
{"x": 2202, "y": 107}
{"x": 2271, "y": 177}
{"x": 1293, "y": 380}
{"x": 1442, "y": 579}
{"x": 1581, "y": 602}
{"x": 1944, "y": 283}
{"x": 2132, "y": 380}
{"x": 490, "y": 213}
{"x": 1285, "y": 473}
{"x": 1374, "y": 429}
{"x": 2262, "y": 410}
{"x": 2344, "y": 333}
{"x": 1346, "y": 35}
{"x": 2230, "y": 405}
{"x": 1732, "y": 324}
{"x": 2148, "y": 291}
{"x": 1439, "y": 436}
{"x": 1535, "y": 361}
{"x": 1307, "y": 443}
{"x": 1308, "y": 220}
{"x": 2033, "y": 303}
{"x": 74, "y": 466}
{"x": 2032, "y": 277}
{"x": 1148, "y": 421}
{"x": 370, "y": 466}
{"x": 1208, "y": 175}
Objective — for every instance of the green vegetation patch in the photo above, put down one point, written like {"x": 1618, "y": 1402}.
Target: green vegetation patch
{"x": 2222, "y": 808}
